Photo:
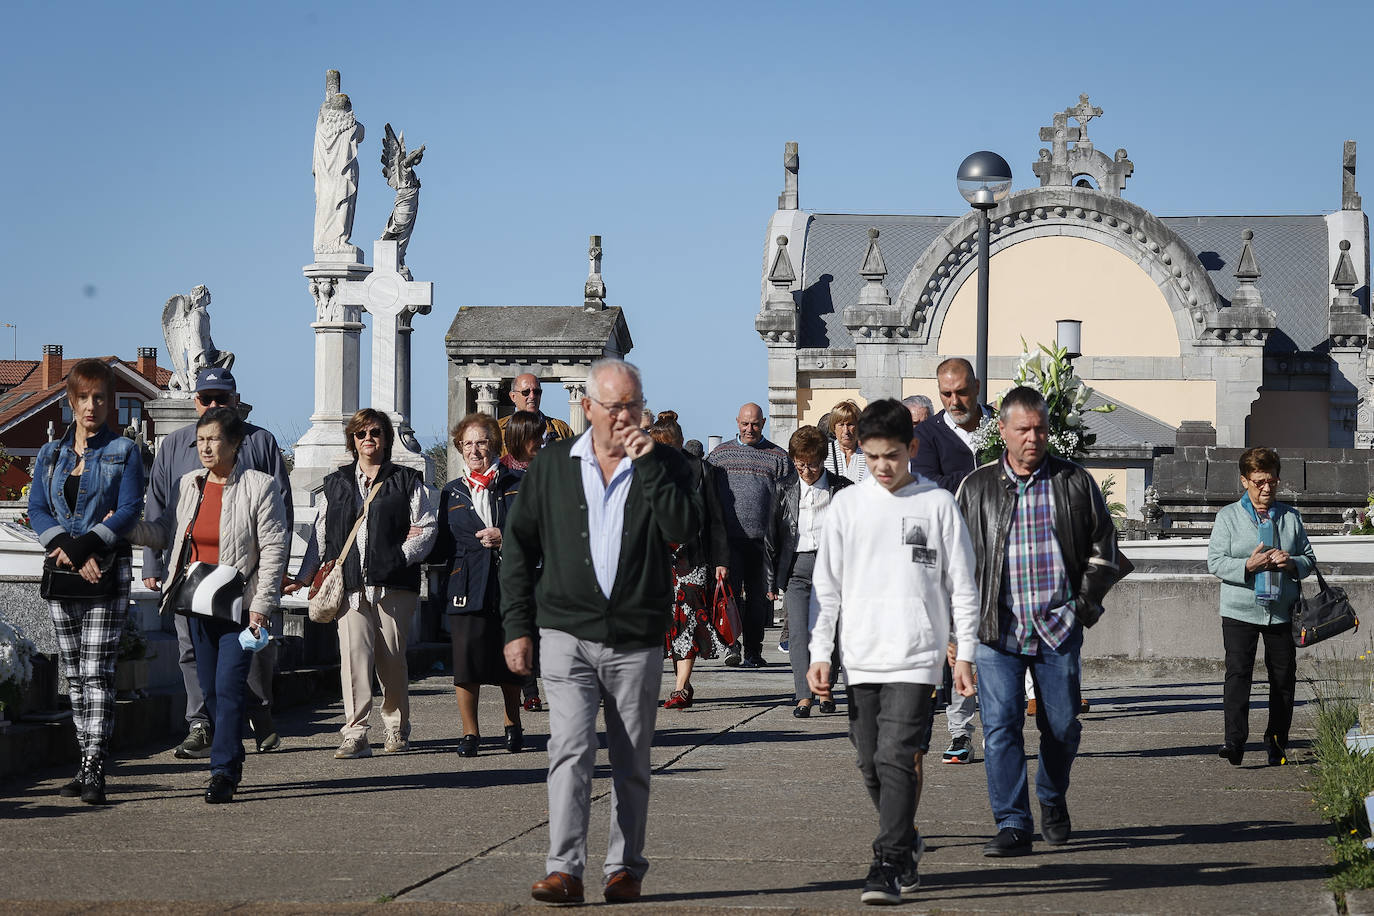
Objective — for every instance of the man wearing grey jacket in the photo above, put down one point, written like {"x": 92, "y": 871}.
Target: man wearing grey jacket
{"x": 175, "y": 457}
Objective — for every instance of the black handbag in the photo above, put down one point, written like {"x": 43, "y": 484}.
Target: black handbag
{"x": 61, "y": 582}
{"x": 1325, "y": 614}
{"x": 212, "y": 590}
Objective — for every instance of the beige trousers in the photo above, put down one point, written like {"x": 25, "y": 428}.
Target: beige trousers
{"x": 374, "y": 634}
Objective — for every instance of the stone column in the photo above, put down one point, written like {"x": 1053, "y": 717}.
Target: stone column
{"x": 337, "y": 328}
{"x": 577, "y": 418}
{"x": 486, "y": 390}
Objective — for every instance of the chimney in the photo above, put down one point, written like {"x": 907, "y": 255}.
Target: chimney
{"x": 50, "y": 369}
{"x": 147, "y": 363}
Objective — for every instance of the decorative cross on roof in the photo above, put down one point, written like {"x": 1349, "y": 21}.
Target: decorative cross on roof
{"x": 1084, "y": 112}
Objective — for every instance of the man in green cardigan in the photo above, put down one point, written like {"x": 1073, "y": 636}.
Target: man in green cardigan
{"x": 598, "y": 512}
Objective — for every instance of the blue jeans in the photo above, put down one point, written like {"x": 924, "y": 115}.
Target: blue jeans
{"x": 1002, "y": 703}
{"x": 222, "y": 665}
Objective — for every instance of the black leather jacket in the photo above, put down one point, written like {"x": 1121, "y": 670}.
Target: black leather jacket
{"x": 1082, "y": 525}
{"x": 780, "y": 537}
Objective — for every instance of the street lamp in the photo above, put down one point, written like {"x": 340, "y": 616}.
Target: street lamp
{"x": 984, "y": 181}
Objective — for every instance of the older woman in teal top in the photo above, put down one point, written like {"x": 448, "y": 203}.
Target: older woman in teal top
{"x": 1259, "y": 571}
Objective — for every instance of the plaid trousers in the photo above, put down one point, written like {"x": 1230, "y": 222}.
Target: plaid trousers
{"x": 87, "y": 647}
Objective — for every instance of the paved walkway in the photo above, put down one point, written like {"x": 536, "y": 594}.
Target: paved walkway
{"x": 751, "y": 808}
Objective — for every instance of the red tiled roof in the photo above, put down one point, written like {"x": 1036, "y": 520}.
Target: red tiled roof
{"x": 27, "y": 394}
{"x": 14, "y": 371}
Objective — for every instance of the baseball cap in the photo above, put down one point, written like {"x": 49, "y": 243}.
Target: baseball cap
{"x": 215, "y": 379}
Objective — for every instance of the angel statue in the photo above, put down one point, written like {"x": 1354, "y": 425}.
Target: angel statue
{"x": 398, "y": 167}
{"x": 335, "y": 167}
{"x": 186, "y": 327}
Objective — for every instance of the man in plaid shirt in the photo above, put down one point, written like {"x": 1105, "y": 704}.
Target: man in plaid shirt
{"x": 1047, "y": 555}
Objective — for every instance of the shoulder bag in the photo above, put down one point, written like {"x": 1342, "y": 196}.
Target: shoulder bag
{"x": 205, "y": 589}
{"x": 66, "y": 582}
{"x": 1325, "y": 614}
{"x": 327, "y": 588}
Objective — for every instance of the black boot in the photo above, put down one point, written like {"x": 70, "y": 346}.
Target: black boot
{"x": 264, "y": 731}
{"x": 73, "y": 788}
{"x": 93, "y": 791}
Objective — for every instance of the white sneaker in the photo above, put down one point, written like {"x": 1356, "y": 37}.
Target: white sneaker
{"x": 352, "y": 748}
{"x": 395, "y": 742}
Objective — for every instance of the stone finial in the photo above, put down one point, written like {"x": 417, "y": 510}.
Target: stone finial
{"x": 874, "y": 271}
{"x": 594, "y": 297}
{"x": 776, "y": 322}
{"x": 1349, "y": 199}
{"x": 782, "y": 275}
{"x": 1345, "y": 278}
{"x": 1346, "y": 324}
{"x": 791, "y": 165}
{"x": 1247, "y": 272}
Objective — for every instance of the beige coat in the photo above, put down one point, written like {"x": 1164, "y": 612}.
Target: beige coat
{"x": 252, "y": 533}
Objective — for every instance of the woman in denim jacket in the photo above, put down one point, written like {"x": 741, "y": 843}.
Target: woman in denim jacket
{"x": 87, "y": 493}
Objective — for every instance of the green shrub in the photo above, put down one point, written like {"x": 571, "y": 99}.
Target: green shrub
{"x": 1340, "y": 781}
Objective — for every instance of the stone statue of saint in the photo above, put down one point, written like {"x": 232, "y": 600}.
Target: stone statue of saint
{"x": 335, "y": 167}
{"x": 186, "y": 328}
{"x": 398, "y": 167}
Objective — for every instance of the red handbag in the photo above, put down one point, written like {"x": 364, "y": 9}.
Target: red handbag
{"x": 725, "y": 613}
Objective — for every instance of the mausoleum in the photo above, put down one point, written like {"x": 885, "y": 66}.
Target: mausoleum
{"x": 1255, "y": 324}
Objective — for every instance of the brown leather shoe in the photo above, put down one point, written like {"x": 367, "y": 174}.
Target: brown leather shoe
{"x": 557, "y": 887}
{"x": 621, "y": 887}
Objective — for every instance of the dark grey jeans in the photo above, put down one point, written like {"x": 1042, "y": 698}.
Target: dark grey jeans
{"x": 796, "y": 602}
{"x": 887, "y": 723}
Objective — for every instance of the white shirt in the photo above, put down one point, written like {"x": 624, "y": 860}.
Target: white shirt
{"x": 964, "y": 436}
{"x": 605, "y": 510}
{"x": 811, "y": 504}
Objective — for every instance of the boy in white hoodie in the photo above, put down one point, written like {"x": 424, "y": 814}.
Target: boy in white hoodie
{"x": 895, "y": 566}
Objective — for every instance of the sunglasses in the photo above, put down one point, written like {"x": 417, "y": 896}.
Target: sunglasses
{"x": 215, "y": 398}
{"x": 526, "y": 392}
{"x": 373, "y": 433}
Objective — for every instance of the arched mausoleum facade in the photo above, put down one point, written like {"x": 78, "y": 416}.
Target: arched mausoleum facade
{"x": 1256, "y": 325}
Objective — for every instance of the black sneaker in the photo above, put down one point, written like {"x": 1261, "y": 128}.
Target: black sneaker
{"x": 1010, "y": 841}
{"x": 1054, "y": 824}
{"x": 1277, "y": 755}
{"x": 960, "y": 751}
{"x": 910, "y": 879}
{"x": 733, "y": 656}
{"x": 882, "y": 886}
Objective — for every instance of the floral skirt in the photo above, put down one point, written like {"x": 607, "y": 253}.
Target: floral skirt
{"x": 690, "y": 632}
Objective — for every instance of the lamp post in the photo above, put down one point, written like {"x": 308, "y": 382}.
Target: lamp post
{"x": 984, "y": 181}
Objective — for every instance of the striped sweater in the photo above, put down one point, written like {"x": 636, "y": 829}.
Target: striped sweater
{"x": 747, "y": 484}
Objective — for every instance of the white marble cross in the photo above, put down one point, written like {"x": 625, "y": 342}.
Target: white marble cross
{"x": 386, "y": 294}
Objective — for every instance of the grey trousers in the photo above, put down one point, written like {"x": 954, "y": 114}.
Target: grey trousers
{"x": 259, "y": 674}
{"x": 578, "y": 675}
{"x": 886, "y": 725}
{"x": 797, "y": 603}
{"x": 959, "y": 714}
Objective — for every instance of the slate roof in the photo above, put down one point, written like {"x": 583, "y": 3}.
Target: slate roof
{"x": 1294, "y": 275}
{"x": 1291, "y": 251}
{"x": 1126, "y": 426}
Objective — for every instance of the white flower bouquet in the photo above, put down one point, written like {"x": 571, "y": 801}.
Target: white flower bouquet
{"x": 16, "y": 664}
{"x": 1049, "y": 371}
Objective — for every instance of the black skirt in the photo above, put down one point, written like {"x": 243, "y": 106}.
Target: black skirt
{"x": 479, "y": 649}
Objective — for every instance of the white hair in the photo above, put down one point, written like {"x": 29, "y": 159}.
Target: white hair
{"x": 611, "y": 364}
{"x": 918, "y": 400}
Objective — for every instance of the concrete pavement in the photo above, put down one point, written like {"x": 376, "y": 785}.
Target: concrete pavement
{"x": 751, "y": 808}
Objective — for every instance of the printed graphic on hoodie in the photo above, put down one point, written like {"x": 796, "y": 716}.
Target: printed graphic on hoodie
{"x": 914, "y": 528}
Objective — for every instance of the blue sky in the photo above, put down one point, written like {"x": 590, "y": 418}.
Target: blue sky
{"x": 152, "y": 147}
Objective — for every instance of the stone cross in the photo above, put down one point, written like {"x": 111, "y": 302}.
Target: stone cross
{"x": 1083, "y": 113}
{"x": 386, "y": 294}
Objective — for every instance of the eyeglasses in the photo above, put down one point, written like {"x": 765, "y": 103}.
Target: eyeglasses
{"x": 469, "y": 444}
{"x": 803, "y": 466}
{"x": 613, "y": 409}
{"x": 373, "y": 433}
{"x": 526, "y": 392}
{"x": 1269, "y": 483}
{"x": 215, "y": 398}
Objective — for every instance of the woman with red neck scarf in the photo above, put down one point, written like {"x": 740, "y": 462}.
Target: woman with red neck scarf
{"x": 472, "y": 512}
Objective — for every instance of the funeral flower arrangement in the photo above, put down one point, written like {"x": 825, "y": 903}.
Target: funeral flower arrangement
{"x": 16, "y": 664}
{"x": 1049, "y": 371}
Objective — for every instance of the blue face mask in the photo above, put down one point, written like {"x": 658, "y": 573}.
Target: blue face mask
{"x": 253, "y": 643}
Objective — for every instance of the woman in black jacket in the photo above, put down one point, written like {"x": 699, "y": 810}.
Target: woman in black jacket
{"x": 789, "y": 549}
{"x": 472, "y": 511}
{"x": 697, "y": 566}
